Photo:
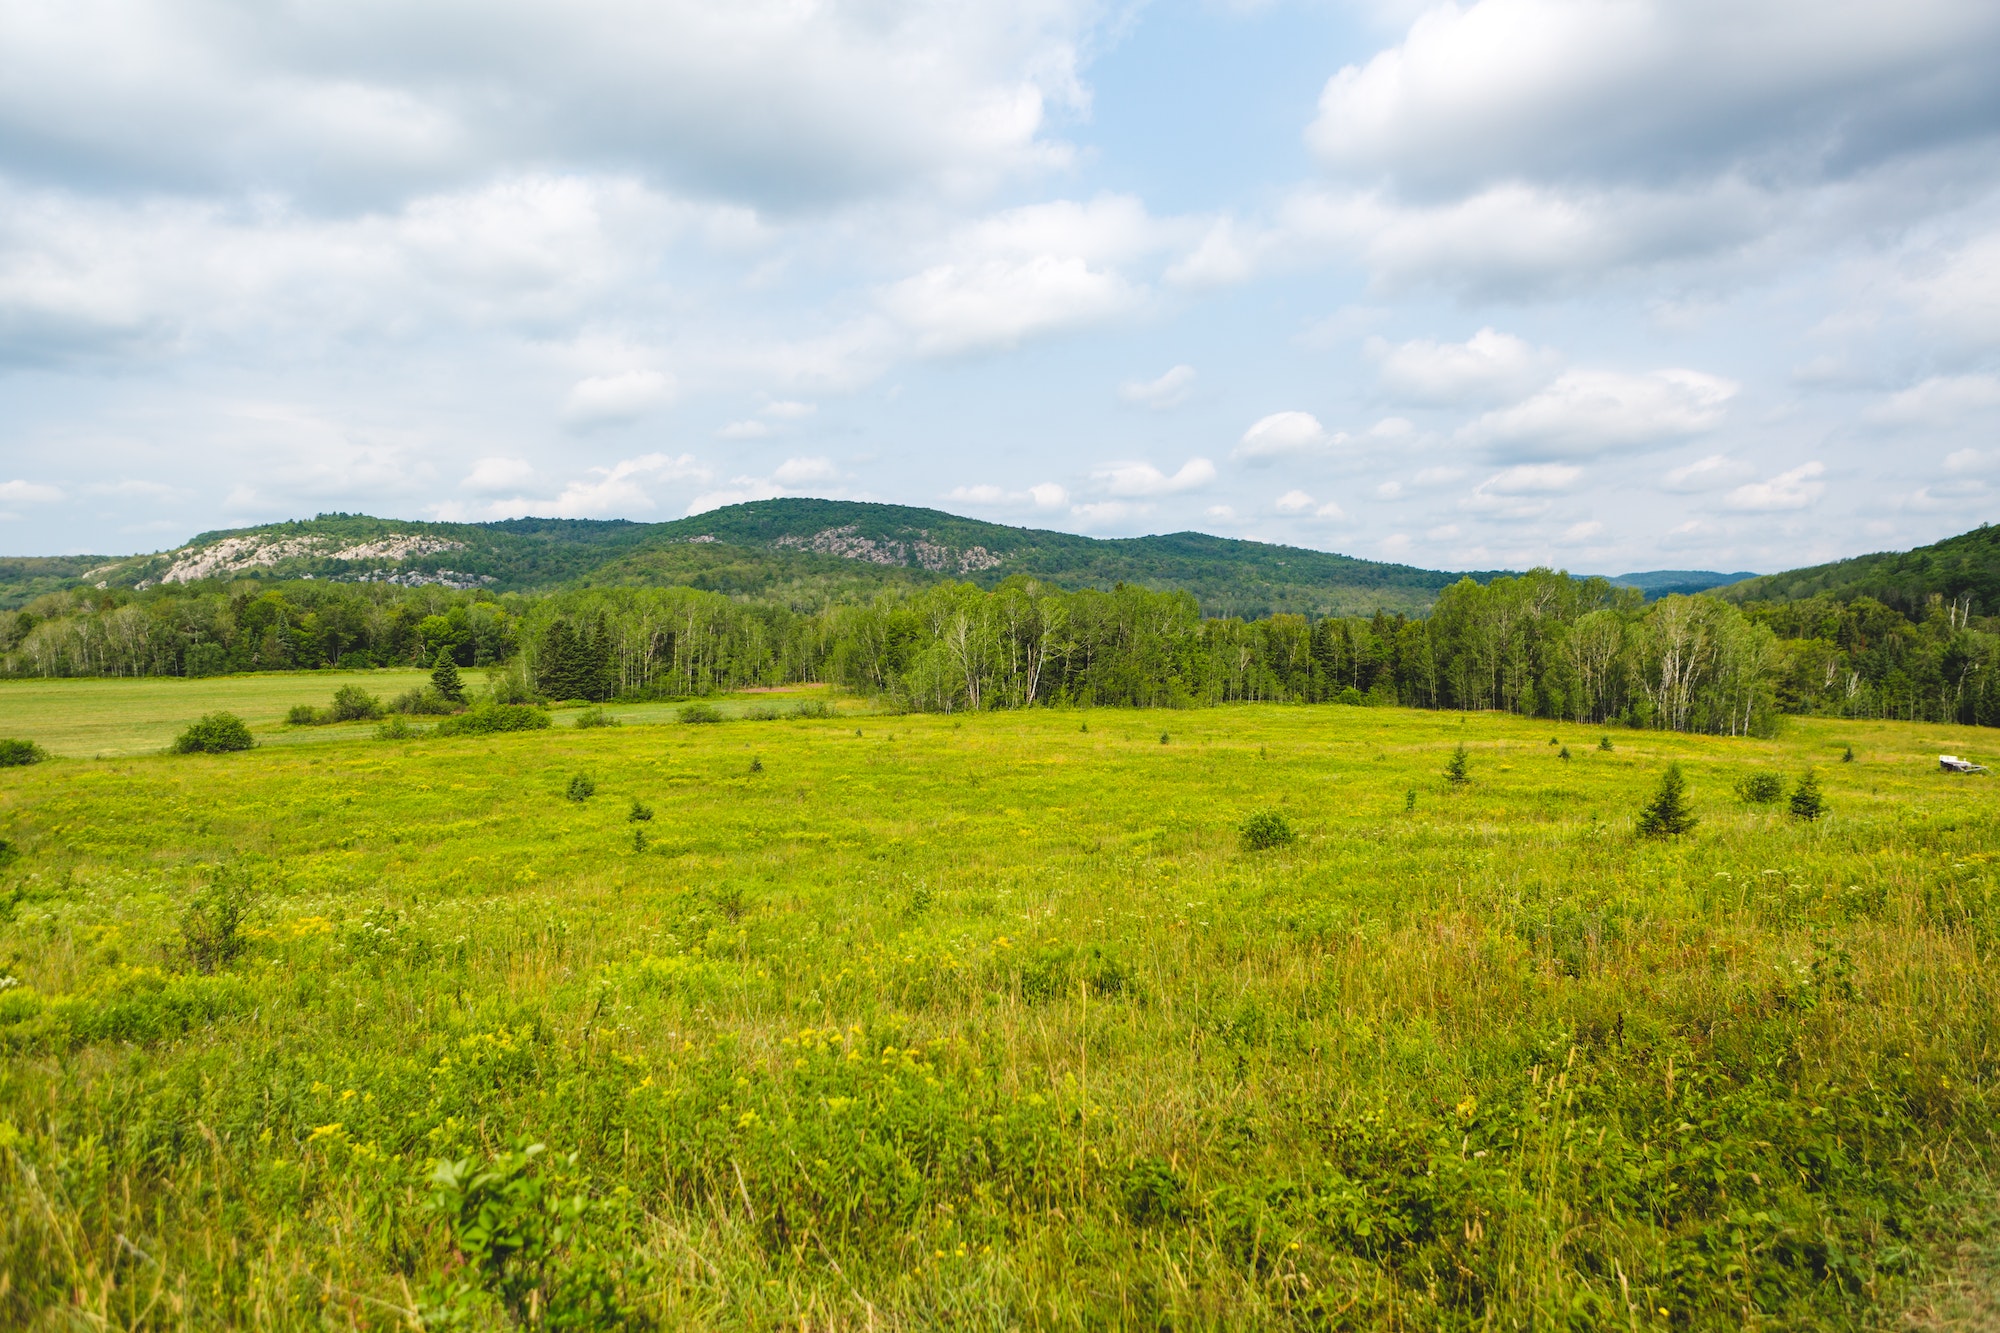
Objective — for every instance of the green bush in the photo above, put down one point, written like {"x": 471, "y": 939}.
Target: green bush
{"x": 581, "y": 787}
{"x": 700, "y": 713}
{"x": 640, "y": 812}
{"x": 14, "y": 754}
{"x": 351, "y": 703}
{"x": 396, "y": 729}
{"x": 487, "y": 718}
{"x": 1267, "y": 829}
{"x": 813, "y": 708}
{"x": 762, "y": 713}
{"x": 1807, "y": 803}
{"x": 595, "y": 717}
{"x": 212, "y": 923}
{"x": 424, "y": 700}
{"x": 303, "y": 715}
{"x": 1352, "y": 697}
{"x": 1760, "y": 788}
{"x": 1455, "y": 768}
{"x": 215, "y": 733}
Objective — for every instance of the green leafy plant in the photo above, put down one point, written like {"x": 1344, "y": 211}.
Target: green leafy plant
{"x": 1563, "y": 754}
{"x": 756, "y": 764}
{"x": 594, "y": 717}
{"x": 302, "y": 715}
{"x": 639, "y": 813}
{"x": 17, "y": 754}
{"x": 1266, "y": 829}
{"x": 424, "y": 701}
{"x": 485, "y": 719}
{"x": 1668, "y": 814}
{"x": 1807, "y": 802}
{"x": 214, "y": 733}
{"x": 581, "y": 787}
{"x": 212, "y": 922}
{"x": 1760, "y": 788}
{"x": 1847, "y": 755}
{"x": 396, "y": 728}
{"x": 1352, "y": 697}
{"x": 813, "y": 708}
{"x": 700, "y": 713}
{"x": 351, "y": 703}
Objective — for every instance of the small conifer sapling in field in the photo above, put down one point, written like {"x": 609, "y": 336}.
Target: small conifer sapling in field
{"x": 582, "y": 787}
{"x": 1554, "y": 741}
{"x": 756, "y": 765}
{"x": 444, "y": 678}
{"x": 1807, "y": 803}
{"x": 1604, "y": 744}
{"x": 1563, "y": 754}
{"x": 1163, "y": 738}
{"x": 1847, "y": 755}
{"x": 1409, "y": 800}
{"x": 1455, "y": 768}
{"x": 639, "y": 813}
{"x": 1668, "y": 814}
{"x": 638, "y": 839}
{"x": 1267, "y": 829}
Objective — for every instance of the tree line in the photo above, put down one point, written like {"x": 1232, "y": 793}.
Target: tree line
{"x": 1542, "y": 644}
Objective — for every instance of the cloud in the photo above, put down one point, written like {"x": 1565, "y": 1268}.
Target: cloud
{"x": 1795, "y": 489}
{"x": 1169, "y": 390}
{"x": 1578, "y": 533}
{"x": 620, "y": 490}
{"x": 1585, "y": 413}
{"x": 1046, "y": 495}
{"x": 789, "y": 411}
{"x": 1705, "y": 474}
{"x": 1939, "y": 403}
{"x": 744, "y": 430}
{"x": 1143, "y": 479}
{"x": 1533, "y": 479}
{"x": 604, "y": 400}
{"x": 1282, "y": 435}
{"x": 803, "y": 471}
{"x": 766, "y": 101}
{"x": 1486, "y": 367}
{"x": 1657, "y": 90}
{"x": 28, "y": 492}
{"x": 492, "y": 475}
{"x": 1298, "y": 502}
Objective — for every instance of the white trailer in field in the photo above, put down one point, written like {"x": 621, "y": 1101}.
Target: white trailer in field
{"x": 1951, "y": 763}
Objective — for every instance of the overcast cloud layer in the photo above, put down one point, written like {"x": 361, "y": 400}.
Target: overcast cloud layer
{"x": 1608, "y": 284}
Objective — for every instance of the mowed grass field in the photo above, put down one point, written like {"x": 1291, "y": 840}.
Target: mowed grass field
{"x": 991, "y": 1022}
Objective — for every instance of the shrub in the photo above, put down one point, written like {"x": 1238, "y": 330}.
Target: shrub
{"x": 1668, "y": 815}
{"x": 1352, "y": 697}
{"x": 488, "y": 718}
{"x": 761, "y": 713}
{"x": 396, "y": 729}
{"x": 302, "y": 715}
{"x": 813, "y": 708}
{"x": 1563, "y": 754}
{"x": 700, "y": 713}
{"x": 212, "y": 923}
{"x": 595, "y": 717}
{"x": 1847, "y": 755}
{"x": 639, "y": 813}
{"x": 14, "y": 754}
{"x": 581, "y": 787}
{"x": 215, "y": 733}
{"x": 1807, "y": 803}
{"x": 351, "y": 703}
{"x": 1267, "y": 829}
{"x": 424, "y": 700}
{"x": 510, "y": 685}
{"x": 1604, "y": 744}
{"x": 1760, "y": 788}
{"x": 1455, "y": 767}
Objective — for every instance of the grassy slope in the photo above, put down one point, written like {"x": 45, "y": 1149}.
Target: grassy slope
{"x": 990, "y": 1023}
{"x": 1967, "y": 563}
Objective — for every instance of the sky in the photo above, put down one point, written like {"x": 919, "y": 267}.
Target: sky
{"x": 1607, "y": 285}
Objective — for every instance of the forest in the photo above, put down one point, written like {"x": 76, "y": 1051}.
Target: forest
{"x": 1542, "y": 644}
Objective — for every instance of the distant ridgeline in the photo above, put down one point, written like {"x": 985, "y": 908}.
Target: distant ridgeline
{"x": 933, "y": 612}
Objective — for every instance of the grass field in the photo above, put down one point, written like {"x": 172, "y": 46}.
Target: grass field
{"x": 921, "y": 1022}
{"x": 110, "y": 719}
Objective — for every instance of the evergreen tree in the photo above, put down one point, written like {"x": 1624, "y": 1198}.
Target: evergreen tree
{"x": 1454, "y": 769}
{"x": 444, "y": 678}
{"x": 1668, "y": 814}
{"x": 1807, "y": 803}
{"x": 600, "y": 682}
{"x": 554, "y": 665}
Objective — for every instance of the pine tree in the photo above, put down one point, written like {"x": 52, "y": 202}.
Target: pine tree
{"x": 555, "y": 665}
{"x": 599, "y": 681}
{"x": 1807, "y": 803}
{"x": 1454, "y": 769}
{"x": 1668, "y": 814}
{"x": 444, "y": 678}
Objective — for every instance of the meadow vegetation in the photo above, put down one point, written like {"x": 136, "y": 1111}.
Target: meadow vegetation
{"x": 1008, "y": 1020}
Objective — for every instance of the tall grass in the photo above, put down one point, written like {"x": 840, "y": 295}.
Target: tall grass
{"x": 995, "y": 1025}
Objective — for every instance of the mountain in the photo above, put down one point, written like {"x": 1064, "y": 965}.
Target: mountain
{"x": 1658, "y": 583}
{"x": 805, "y": 550}
{"x": 24, "y": 578}
{"x": 1965, "y": 566}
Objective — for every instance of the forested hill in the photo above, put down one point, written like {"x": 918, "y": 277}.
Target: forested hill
{"x": 1954, "y": 570}
{"x": 808, "y": 552}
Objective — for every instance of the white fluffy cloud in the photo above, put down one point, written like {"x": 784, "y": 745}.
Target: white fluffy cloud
{"x": 1795, "y": 489}
{"x": 490, "y": 476}
{"x": 1143, "y": 479}
{"x": 1706, "y": 474}
{"x": 1283, "y": 435}
{"x": 603, "y": 400}
{"x": 1489, "y": 366}
{"x": 1586, "y": 413}
{"x": 28, "y": 492}
{"x": 1939, "y": 403}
